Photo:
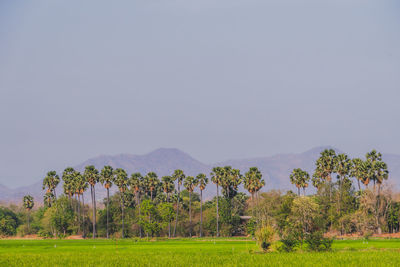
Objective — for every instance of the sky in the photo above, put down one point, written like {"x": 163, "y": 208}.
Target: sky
{"x": 218, "y": 79}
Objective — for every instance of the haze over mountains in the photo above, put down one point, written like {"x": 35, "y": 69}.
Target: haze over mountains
{"x": 164, "y": 161}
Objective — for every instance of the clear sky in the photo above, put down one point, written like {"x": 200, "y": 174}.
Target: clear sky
{"x": 218, "y": 79}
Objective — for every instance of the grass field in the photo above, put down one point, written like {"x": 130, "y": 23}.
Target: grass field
{"x": 190, "y": 252}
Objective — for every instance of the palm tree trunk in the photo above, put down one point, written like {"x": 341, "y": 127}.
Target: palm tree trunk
{"x": 108, "y": 203}
{"x": 122, "y": 202}
{"x": 93, "y": 209}
{"x": 29, "y": 227}
{"x": 177, "y": 209}
{"x": 217, "y": 213}
{"x": 254, "y": 205}
{"x": 79, "y": 213}
{"x": 298, "y": 191}
{"x": 201, "y": 213}
{"x": 83, "y": 214}
{"x": 304, "y": 191}
{"x": 54, "y": 192}
{"x": 359, "y": 186}
{"x": 169, "y": 223}
{"x": 190, "y": 214}
{"x": 140, "y": 227}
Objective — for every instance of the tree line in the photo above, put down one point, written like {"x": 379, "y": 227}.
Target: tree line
{"x": 343, "y": 201}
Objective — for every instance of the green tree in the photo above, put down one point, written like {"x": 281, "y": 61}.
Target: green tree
{"x": 359, "y": 170}
{"x": 190, "y": 184}
{"x": 300, "y": 179}
{"x": 91, "y": 175}
{"x": 178, "y": 176}
{"x": 136, "y": 184}
{"x": 50, "y": 182}
{"x": 28, "y": 205}
{"x": 153, "y": 182}
{"x": 168, "y": 187}
{"x": 203, "y": 181}
{"x": 107, "y": 179}
{"x": 216, "y": 178}
{"x": 121, "y": 180}
{"x": 9, "y": 222}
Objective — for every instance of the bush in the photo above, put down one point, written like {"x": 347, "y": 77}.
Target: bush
{"x": 288, "y": 244}
{"x": 8, "y": 222}
{"x": 317, "y": 242}
{"x": 251, "y": 226}
{"x": 265, "y": 237}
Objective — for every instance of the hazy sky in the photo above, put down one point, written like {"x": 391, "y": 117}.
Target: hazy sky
{"x": 218, "y": 79}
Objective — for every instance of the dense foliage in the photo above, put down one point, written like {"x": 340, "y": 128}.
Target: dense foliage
{"x": 349, "y": 197}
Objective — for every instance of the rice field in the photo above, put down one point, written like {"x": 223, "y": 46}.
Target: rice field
{"x": 191, "y": 252}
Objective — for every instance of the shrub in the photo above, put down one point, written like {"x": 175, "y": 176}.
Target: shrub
{"x": 251, "y": 226}
{"x": 288, "y": 244}
{"x": 265, "y": 237}
{"x": 317, "y": 242}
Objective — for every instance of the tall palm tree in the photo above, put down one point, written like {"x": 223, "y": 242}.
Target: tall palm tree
{"x": 50, "y": 182}
{"x": 324, "y": 168}
{"x": 107, "y": 178}
{"x": 81, "y": 187}
{"x": 28, "y": 205}
{"x": 359, "y": 171}
{"x": 216, "y": 178}
{"x": 190, "y": 184}
{"x": 377, "y": 168}
{"x": 342, "y": 168}
{"x": 135, "y": 183}
{"x": 121, "y": 180}
{"x": 300, "y": 179}
{"x": 377, "y": 172}
{"x": 203, "y": 181}
{"x": 153, "y": 182}
{"x": 48, "y": 199}
{"x": 68, "y": 177}
{"x": 178, "y": 176}
{"x": 92, "y": 177}
{"x": 251, "y": 182}
{"x": 168, "y": 187}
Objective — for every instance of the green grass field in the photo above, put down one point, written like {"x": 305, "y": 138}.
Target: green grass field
{"x": 190, "y": 252}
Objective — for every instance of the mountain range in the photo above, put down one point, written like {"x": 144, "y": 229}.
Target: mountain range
{"x": 276, "y": 169}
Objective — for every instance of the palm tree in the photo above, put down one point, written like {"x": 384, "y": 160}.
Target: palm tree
{"x": 342, "y": 168}
{"x": 190, "y": 184}
{"x": 28, "y": 205}
{"x": 178, "y": 176}
{"x": 50, "y": 182}
{"x": 92, "y": 177}
{"x": 359, "y": 170}
{"x": 153, "y": 182}
{"x": 121, "y": 180}
{"x": 377, "y": 172}
{"x": 377, "y": 168}
{"x": 107, "y": 178}
{"x": 48, "y": 199}
{"x": 135, "y": 183}
{"x": 251, "y": 182}
{"x": 203, "y": 181}
{"x": 168, "y": 187}
{"x": 324, "y": 168}
{"x": 81, "y": 187}
{"x": 216, "y": 178}
{"x": 68, "y": 177}
{"x": 300, "y": 179}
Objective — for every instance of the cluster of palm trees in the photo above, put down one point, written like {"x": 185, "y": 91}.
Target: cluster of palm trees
{"x": 364, "y": 171}
{"x": 76, "y": 183}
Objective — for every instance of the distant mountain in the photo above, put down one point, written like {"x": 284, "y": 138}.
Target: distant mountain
{"x": 276, "y": 169}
